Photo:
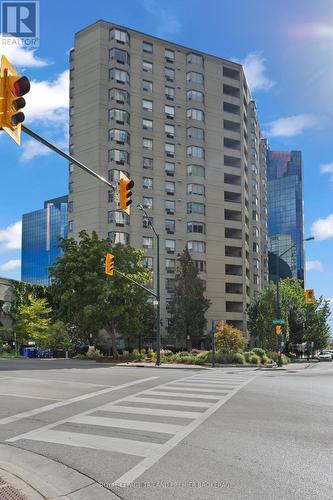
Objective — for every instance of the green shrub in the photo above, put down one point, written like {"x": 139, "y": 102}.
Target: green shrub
{"x": 254, "y": 359}
{"x": 229, "y": 358}
{"x": 203, "y": 355}
{"x": 94, "y": 354}
{"x": 247, "y": 356}
{"x": 259, "y": 352}
{"x": 166, "y": 352}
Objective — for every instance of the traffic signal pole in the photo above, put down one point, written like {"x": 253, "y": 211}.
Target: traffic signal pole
{"x": 68, "y": 157}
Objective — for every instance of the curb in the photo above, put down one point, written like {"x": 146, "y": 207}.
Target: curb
{"x": 41, "y": 478}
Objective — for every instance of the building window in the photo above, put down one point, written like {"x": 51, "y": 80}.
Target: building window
{"x": 147, "y": 202}
{"x": 192, "y": 58}
{"x": 147, "y": 222}
{"x": 169, "y": 286}
{"x": 119, "y": 75}
{"x": 255, "y": 279}
{"x": 70, "y": 206}
{"x": 170, "y": 246}
{"x": 195, "y": 208}
{"x": 195, "y": 152}
{"x": 200, "y": 265}
{"x": 169, "y": 93}
{"x": 169, "y": 131}
{"x": 231, "y": 161}
{"x": 119, "y": 35}
{"x": 118, "y": 156}
{"x": 195, "y": 95}
{"x": 194, "y": 77}
{"x": 169, "y": 55}
{"x": 114, "y": 175}
{"x": 169, "y": 74}
{"x": 147, "y": 47}
{"x": 196, "y": 246}
{"x": 170, "y": 207}
{"x": 196, "y": 227}
{"x": 195, "y": 114}
{"x": 147, "y": 124}
{"x": 110, "y": 196}
{"x": 231, "y": 91}
{"x": 147, "y": 105}
{"x": 71, "y": 187}
{"x": 169, "y": 187}
{"x": 170, "y": 226}
{"x": 147, "y": 66}
{"x": 147, "y": 86}
{"x": 147, "y": 144}
{"x": 70, "y": 226}
{"x": 195, "y": 133}
{"x": 116, "y": 237}
{"x": 170, "y": 265}
{"x": 170, "y": 169}
{"x": 119, "y": 95}
{"x": 148, "y": 163}
{"x": 169, "y": 112}
{"x": 147, "y": 182}
{"x": 231, "y": 143}
{"x": 119, "y": 55}
{"x": 196, "y": 189}
{"x": 231, "y": 73}
{"x": 119, "y": 116}
{"x": 147, "y": 242}
{"x": 147, "y": 262}
{"x": 196, "y": 170}
{"x": 170, "y": 149}
{"x": 119, "y": 136}
{"x": 119, "y": 218}
{"x": 231, "y": 108}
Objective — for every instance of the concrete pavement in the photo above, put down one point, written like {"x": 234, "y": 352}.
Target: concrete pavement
{"x": 137, "y": 433}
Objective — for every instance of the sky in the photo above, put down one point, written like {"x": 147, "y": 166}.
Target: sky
{"x": 287, "y": 50}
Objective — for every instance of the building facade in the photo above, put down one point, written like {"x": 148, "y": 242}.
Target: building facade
{"x": 285, "y": 211}
{"x": 183, "y": 126}
{"x": 41, "y": 231}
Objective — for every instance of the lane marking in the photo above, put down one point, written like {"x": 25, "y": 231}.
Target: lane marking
{"x": 120, "y": 423}
{"x": 29, "y": 397}
{"x": 170, "y": 402}
{"x": 37, "y": 411}
{"x": 148, "y": 462}
{"x": 181, "y": 394}
{"x": 57, "y": 381}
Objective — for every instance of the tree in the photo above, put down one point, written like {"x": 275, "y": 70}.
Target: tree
{"x": 228, "y": 338}
{"x": 32, "y": 320}
{"x": 188, "y": 304}
{"x": 58, "y": 337}
{"x": 88, "y": 299}
{"x": 261, "y": 313}
{"x": 317, "y": 329}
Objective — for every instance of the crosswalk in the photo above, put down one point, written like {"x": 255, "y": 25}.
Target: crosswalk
{"x": 147, "y": 424}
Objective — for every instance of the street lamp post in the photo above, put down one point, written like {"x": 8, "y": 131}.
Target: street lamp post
{"x": 158, "y": 288}
{"x": 278, "y": 311}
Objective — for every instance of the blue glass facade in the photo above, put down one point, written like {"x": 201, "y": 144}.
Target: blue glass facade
{"x": 41, "y": 231}
{"x": 285, "y": 208}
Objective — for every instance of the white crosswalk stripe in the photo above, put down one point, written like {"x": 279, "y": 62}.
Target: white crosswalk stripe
{"x": 182, "y": 404}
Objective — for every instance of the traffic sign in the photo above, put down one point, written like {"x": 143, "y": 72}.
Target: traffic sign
{"x": 278, "y": 321}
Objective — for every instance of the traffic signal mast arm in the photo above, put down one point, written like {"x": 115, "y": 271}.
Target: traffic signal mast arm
{"x": 65, "y": 155}
{"x": 136, "y": 283}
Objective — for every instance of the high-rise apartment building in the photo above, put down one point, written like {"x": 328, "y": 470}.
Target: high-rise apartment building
{"x": 41, "y": 231}
{"x": 285, "y": 212}
{"x": 182, "y": 124}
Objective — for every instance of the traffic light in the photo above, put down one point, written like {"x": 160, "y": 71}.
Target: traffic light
{"x": 12, "y": 88}
{"x": 309, "y": 297}
{"x": 278, "y": 329}
{"x": 125, "y": 193}
{"x": 109, "y": 264}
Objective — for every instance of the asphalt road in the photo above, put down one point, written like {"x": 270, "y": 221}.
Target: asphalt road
{"x": 148, "y": 433}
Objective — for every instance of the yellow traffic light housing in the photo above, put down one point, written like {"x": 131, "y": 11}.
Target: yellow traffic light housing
{"x": 125, "y": 194}
{"x": 309, "y": 297}
{"x": 12, "y": 88}
{"x": 278, "y": 329}
{"x": 109, "y": 264}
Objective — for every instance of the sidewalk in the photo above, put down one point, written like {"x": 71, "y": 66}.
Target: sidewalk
{"x": 34, "y": 477}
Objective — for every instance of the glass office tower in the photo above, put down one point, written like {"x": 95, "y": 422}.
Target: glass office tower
{"x": 41, "y": 231}
{"x": 285, "y": 211}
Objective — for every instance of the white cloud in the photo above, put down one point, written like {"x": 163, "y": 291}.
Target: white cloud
{"x": 10, "y": 237}
{"x": 291, "y": 125}
{"x": 314, "y": 265}
{"x": 11, "y": 265}
{"x": 322, "y": 229}
{"x": 314, "y": 31}
{"x": 255, "y": 68}
{"x": 327, "y": 168}
{"x": 18, "y": 55}
{"x": 32, "y": 149}
{"x": 48, "y": 101}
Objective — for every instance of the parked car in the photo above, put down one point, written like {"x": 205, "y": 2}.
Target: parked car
{"x": 325, "y": 356}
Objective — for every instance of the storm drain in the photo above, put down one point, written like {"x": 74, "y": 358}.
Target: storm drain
{"x": 7, "y": 492}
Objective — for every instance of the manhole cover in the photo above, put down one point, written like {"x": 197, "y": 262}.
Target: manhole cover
{"x": 7, "y": 492}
